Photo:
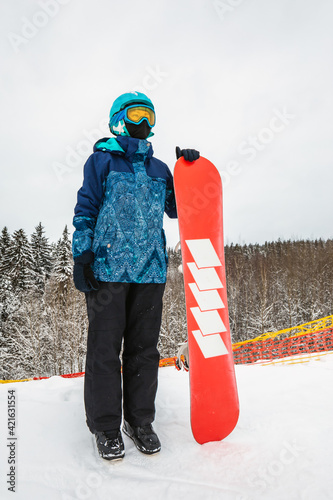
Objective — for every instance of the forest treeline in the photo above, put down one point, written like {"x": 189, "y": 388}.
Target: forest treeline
{"x": 43, "y": 324}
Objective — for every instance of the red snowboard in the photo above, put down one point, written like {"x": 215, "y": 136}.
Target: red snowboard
{"x": 214, "y": 398}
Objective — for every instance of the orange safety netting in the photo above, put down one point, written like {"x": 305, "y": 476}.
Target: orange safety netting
{"x": 316, "y": 336}
{"x": 275, "y": 348}
{"x": 311, "y": 327}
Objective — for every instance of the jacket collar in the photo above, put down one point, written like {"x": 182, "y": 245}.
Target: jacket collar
{"x": 122, "y": 145}
{"x": 130, "y": 146}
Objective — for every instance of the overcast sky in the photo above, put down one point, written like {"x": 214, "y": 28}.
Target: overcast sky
{"x": 246, "y": 82}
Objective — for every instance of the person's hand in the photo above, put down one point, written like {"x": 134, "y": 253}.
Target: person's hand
{"x": 84, "y": 279}
{"x": 188, "y": 154}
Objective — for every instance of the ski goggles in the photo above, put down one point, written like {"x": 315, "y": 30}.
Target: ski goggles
{"x": 136, "y": 114}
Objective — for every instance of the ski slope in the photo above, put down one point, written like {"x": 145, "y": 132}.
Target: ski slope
{"x": 282, "y": 447}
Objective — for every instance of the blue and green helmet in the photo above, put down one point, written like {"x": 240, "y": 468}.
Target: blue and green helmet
{"x": 117, "y": 121}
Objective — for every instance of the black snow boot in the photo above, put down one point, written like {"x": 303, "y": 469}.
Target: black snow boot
{"x": 145, "y": 438}
{"x": 110, "y": 444}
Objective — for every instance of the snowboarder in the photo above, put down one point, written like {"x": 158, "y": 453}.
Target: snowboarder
{"x": 120, "y": 263}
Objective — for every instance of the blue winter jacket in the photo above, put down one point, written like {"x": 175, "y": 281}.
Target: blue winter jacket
{"x": 119, "y": 211}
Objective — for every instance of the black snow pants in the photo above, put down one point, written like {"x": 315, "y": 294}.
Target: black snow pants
{"x": 129, "y": 313}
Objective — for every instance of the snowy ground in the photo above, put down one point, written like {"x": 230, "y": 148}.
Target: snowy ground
{"x": 282, "y": 447}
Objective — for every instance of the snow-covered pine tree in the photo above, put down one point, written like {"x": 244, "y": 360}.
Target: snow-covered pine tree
{"x": 17, "y": 262}
{"x": 42, "y": 259}
{"x": 4, "y": 242}
{"x": 6, "y": 292}
{"x": 63, "y": 266}
{"x": 9, "y": 303}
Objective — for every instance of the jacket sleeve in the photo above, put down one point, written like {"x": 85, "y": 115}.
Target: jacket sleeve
{"x": 170, "y": 199}
{"x": 89, "y": 199}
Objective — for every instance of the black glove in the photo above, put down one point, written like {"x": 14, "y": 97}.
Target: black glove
{"x": 188, "y": 154}
{"x": 84, "y": 279}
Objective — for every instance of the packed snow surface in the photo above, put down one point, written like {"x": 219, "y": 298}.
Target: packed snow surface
{"x": 282, "y": 447}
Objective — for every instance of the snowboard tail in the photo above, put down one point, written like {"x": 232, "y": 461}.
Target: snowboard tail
{"x": 213, "y": 390}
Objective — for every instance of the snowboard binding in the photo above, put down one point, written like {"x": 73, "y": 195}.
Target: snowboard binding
{"x": 182, "y": 359}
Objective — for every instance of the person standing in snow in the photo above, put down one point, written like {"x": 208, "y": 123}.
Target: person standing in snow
{"x": 120, "y": 263}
